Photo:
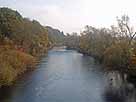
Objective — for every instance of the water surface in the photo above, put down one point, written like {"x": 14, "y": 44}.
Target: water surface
{"x": 68, "y": 76}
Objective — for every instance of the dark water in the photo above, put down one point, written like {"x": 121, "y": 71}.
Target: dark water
{"x": 68, "y": 76}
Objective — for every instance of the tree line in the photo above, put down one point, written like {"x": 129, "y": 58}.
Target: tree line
{"x": 22, "y": 42}
{"x": 114, "y": 47}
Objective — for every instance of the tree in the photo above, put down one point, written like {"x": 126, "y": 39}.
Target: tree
{"x": 125, "y": 30}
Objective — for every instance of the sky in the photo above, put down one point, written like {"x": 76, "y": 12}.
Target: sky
{"x": 72, "y": 15}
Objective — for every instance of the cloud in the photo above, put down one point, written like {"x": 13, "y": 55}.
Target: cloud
{"x": 72, "y": 15}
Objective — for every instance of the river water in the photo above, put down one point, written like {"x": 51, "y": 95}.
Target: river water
{"x": 68, "y": 76}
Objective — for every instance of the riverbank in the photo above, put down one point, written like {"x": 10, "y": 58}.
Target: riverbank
{"x": 13, "y": 63}
{"x": 131, "y": 71}
{"x": 76, "y": 78}
{"x": 60, "y": 76}
{"x": 22, "y": 42}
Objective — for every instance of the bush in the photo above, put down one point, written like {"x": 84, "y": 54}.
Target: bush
{"x": 117, "y": 56}
{"x": 13, "y": 63}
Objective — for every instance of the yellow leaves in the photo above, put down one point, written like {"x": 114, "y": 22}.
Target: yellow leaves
{"x": 19, "y": 39}
{"x": 117, "y": 56}
{"x": 13, "y": 63}
{"x": 7, "y": 74}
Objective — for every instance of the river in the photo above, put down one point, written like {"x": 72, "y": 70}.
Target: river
{"x": 68, "y": 76}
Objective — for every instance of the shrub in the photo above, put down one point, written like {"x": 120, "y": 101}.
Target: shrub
{"x": 117, "y": 56}
{"x": 13, "y": 63}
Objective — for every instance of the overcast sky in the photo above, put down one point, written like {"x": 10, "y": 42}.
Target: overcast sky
{"x": 73, "y": 15}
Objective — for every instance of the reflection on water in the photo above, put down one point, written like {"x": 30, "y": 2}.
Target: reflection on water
{"x": 118, "y": 89}
{"x": 68, "y": 76}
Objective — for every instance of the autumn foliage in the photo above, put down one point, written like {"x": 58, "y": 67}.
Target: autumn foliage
{"x": 113, "y": 47}
{"x": 21, "y": 42}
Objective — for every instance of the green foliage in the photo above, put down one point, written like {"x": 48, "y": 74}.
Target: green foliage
{"x": 95, "y": 41}
{"x": 10, "y": 21}
{"x": 21, "y": 40}
{"x": 56, "y": 37}
{"x": 113, "y": 47}
{"x": 72, "y": 41}
{"x": 31, "y": 36}
{"x": 117, "y": 56}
